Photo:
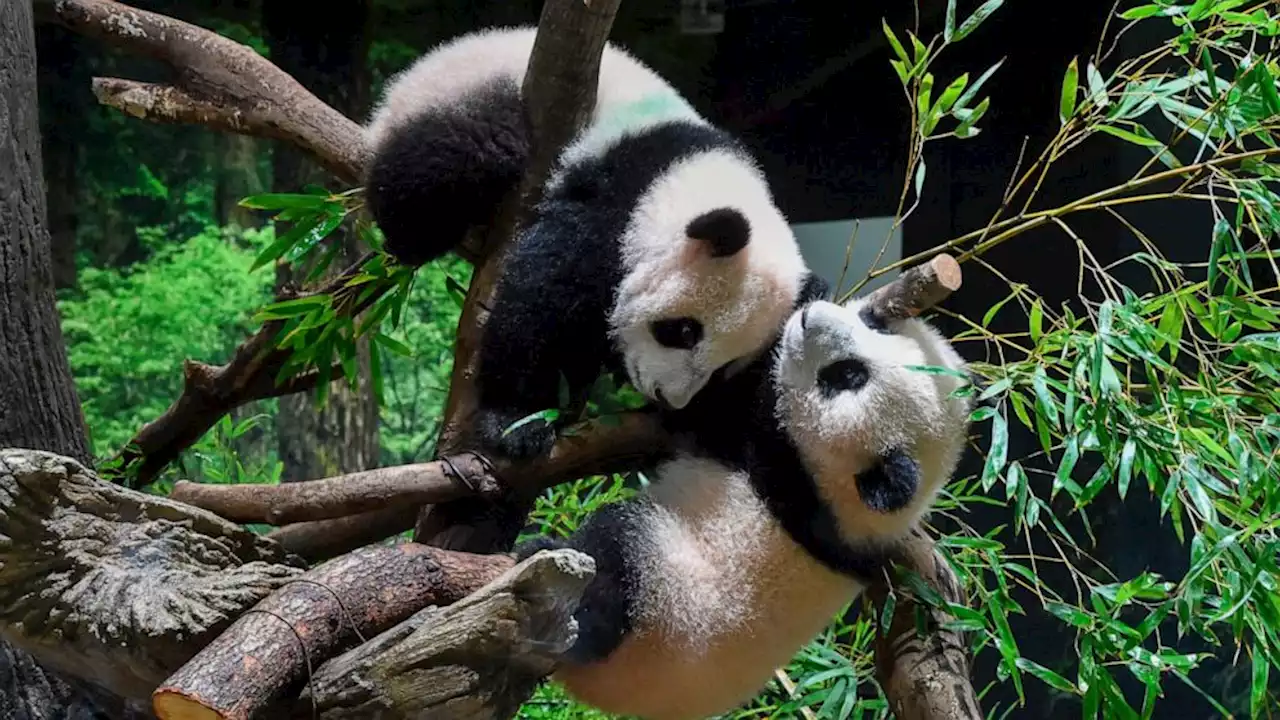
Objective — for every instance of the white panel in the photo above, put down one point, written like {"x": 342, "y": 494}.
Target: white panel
{"x": 825, "y": 244}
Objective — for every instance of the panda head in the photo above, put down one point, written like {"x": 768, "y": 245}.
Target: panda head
{"x": 711, "y": 269}
{"x": 879, "y": 436}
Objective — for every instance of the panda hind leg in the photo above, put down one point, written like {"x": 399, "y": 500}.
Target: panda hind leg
{"x": 610, "y": 537}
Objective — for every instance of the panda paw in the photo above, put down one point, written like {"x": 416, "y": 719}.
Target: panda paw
{"x": 526, "y": 550}
{"x": 530, "y": 440}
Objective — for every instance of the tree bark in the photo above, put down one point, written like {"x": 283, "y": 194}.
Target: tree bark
{"x": 274, "y": 646}
{"x": 326, "y": 52}
{"x": 38, "y": 403}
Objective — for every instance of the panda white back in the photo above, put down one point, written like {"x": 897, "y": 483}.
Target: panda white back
{"x": 629, "y": 95}
{"x": 801, "y": 473}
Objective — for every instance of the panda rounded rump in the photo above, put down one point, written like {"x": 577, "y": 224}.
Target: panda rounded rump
{"x": 728, "y": 597}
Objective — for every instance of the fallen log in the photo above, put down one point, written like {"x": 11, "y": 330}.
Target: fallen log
{"x": 479, "y": 658}
{"x": 279, "y": 641}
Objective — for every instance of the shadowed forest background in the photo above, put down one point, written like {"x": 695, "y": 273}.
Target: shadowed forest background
{"x": 153, "y": 255}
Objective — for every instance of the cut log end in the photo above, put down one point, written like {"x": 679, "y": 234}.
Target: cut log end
{"x": 917, "y": 289}
{"x": 172, "y": 705}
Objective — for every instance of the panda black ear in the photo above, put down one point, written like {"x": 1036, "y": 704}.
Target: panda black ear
{"x": 724, "y": 231}
{"x": 891, "y": 483}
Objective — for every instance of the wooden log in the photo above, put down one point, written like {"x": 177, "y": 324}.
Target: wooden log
{"x": 416, "y": 484}
{"x": 274, "y": 646}
{"x": 918, "y": 288}
{"x": 478, "y": 659}
{"x": 115, "y": 586}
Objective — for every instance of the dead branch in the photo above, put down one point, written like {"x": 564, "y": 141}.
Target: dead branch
{"x": 478, "y": 658}
{"x": 405, "y": 485}
{"x": 318, "y": 614}
{"x": 925, "y": 677}
{"x": 211, "y": 391}
{"x": 220, "y": 83}
{"x": 918, "y": 288}
{"x": 594, "y": 447}
{"x": 318, "y": 540}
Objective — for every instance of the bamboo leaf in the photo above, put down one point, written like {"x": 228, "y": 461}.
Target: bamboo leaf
{"x": 1070, "y": 88}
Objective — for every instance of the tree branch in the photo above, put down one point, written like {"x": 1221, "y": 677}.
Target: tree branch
{"x": 925, "y": 677}
{"x": 220, "y": 83}
{"x": 596, "y": 447}
{"x": 211, "y": 391}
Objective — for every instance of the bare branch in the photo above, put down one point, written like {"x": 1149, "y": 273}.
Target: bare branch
{"x": 220, "y": 83}
{"x": 319, "y": 540}
{"x": 595, "y": 447}
{"x": 211, "y": 391}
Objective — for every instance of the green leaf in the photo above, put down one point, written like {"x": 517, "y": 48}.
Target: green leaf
{"x": 949, "y": 25}
{"x": 898, "y": 50}
{"x": 1132, "y": 137}
{"x": 393, "y": 345}
{"x": 966, "y": 127}
{"x": 886, "y": 613}
{"x": 1047, "y": 676}
{"x": 972, "y": 91}
{"x": 1097, "y": 86}
{"x": 949, "y": 96}
{"x": 1070, "y": 88}
{"x": 1036, "y": 321}
{"x": 1126, "y": 466}
{"x": 281, "y": 201}
{"x": 998, "y": 452}
{"x": 970, "y": 24}
{"x": 1140, "y": 12}
{"x": 917, "y": 47}
{"x": 548, "y": 416}
{"x": 919, "y": 182}
{"x": 1258, "y": 693}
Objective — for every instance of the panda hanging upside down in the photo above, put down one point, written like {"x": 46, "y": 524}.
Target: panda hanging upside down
{"x": 796, "y": 476}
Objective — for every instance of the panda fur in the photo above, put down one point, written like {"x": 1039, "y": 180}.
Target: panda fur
{"x": 798, "y": 476}
{"x": 656, "y": 250}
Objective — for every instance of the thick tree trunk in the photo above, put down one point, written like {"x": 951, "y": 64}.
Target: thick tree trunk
{"x": 64, "y": 99}
{"x": 38, "y": 403}
{"x": 325, "y": 51}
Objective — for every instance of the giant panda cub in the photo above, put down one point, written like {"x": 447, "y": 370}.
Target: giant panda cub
{"x": 657, "y": 248}
{"x": 801, "y": 472}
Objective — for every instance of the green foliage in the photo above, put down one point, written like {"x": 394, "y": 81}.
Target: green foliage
{"x": 128, "y": 331}
{"x": 415, "y": 385}
{"x": 1171, "y": 388}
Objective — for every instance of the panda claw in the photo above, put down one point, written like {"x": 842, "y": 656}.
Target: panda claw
{"x": 531, "y": 440}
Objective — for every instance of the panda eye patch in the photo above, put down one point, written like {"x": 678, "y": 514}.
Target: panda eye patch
{"x": 678, "y": 333}
{"x": 874, "y": 320}
{"x": 847, "y": 375}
